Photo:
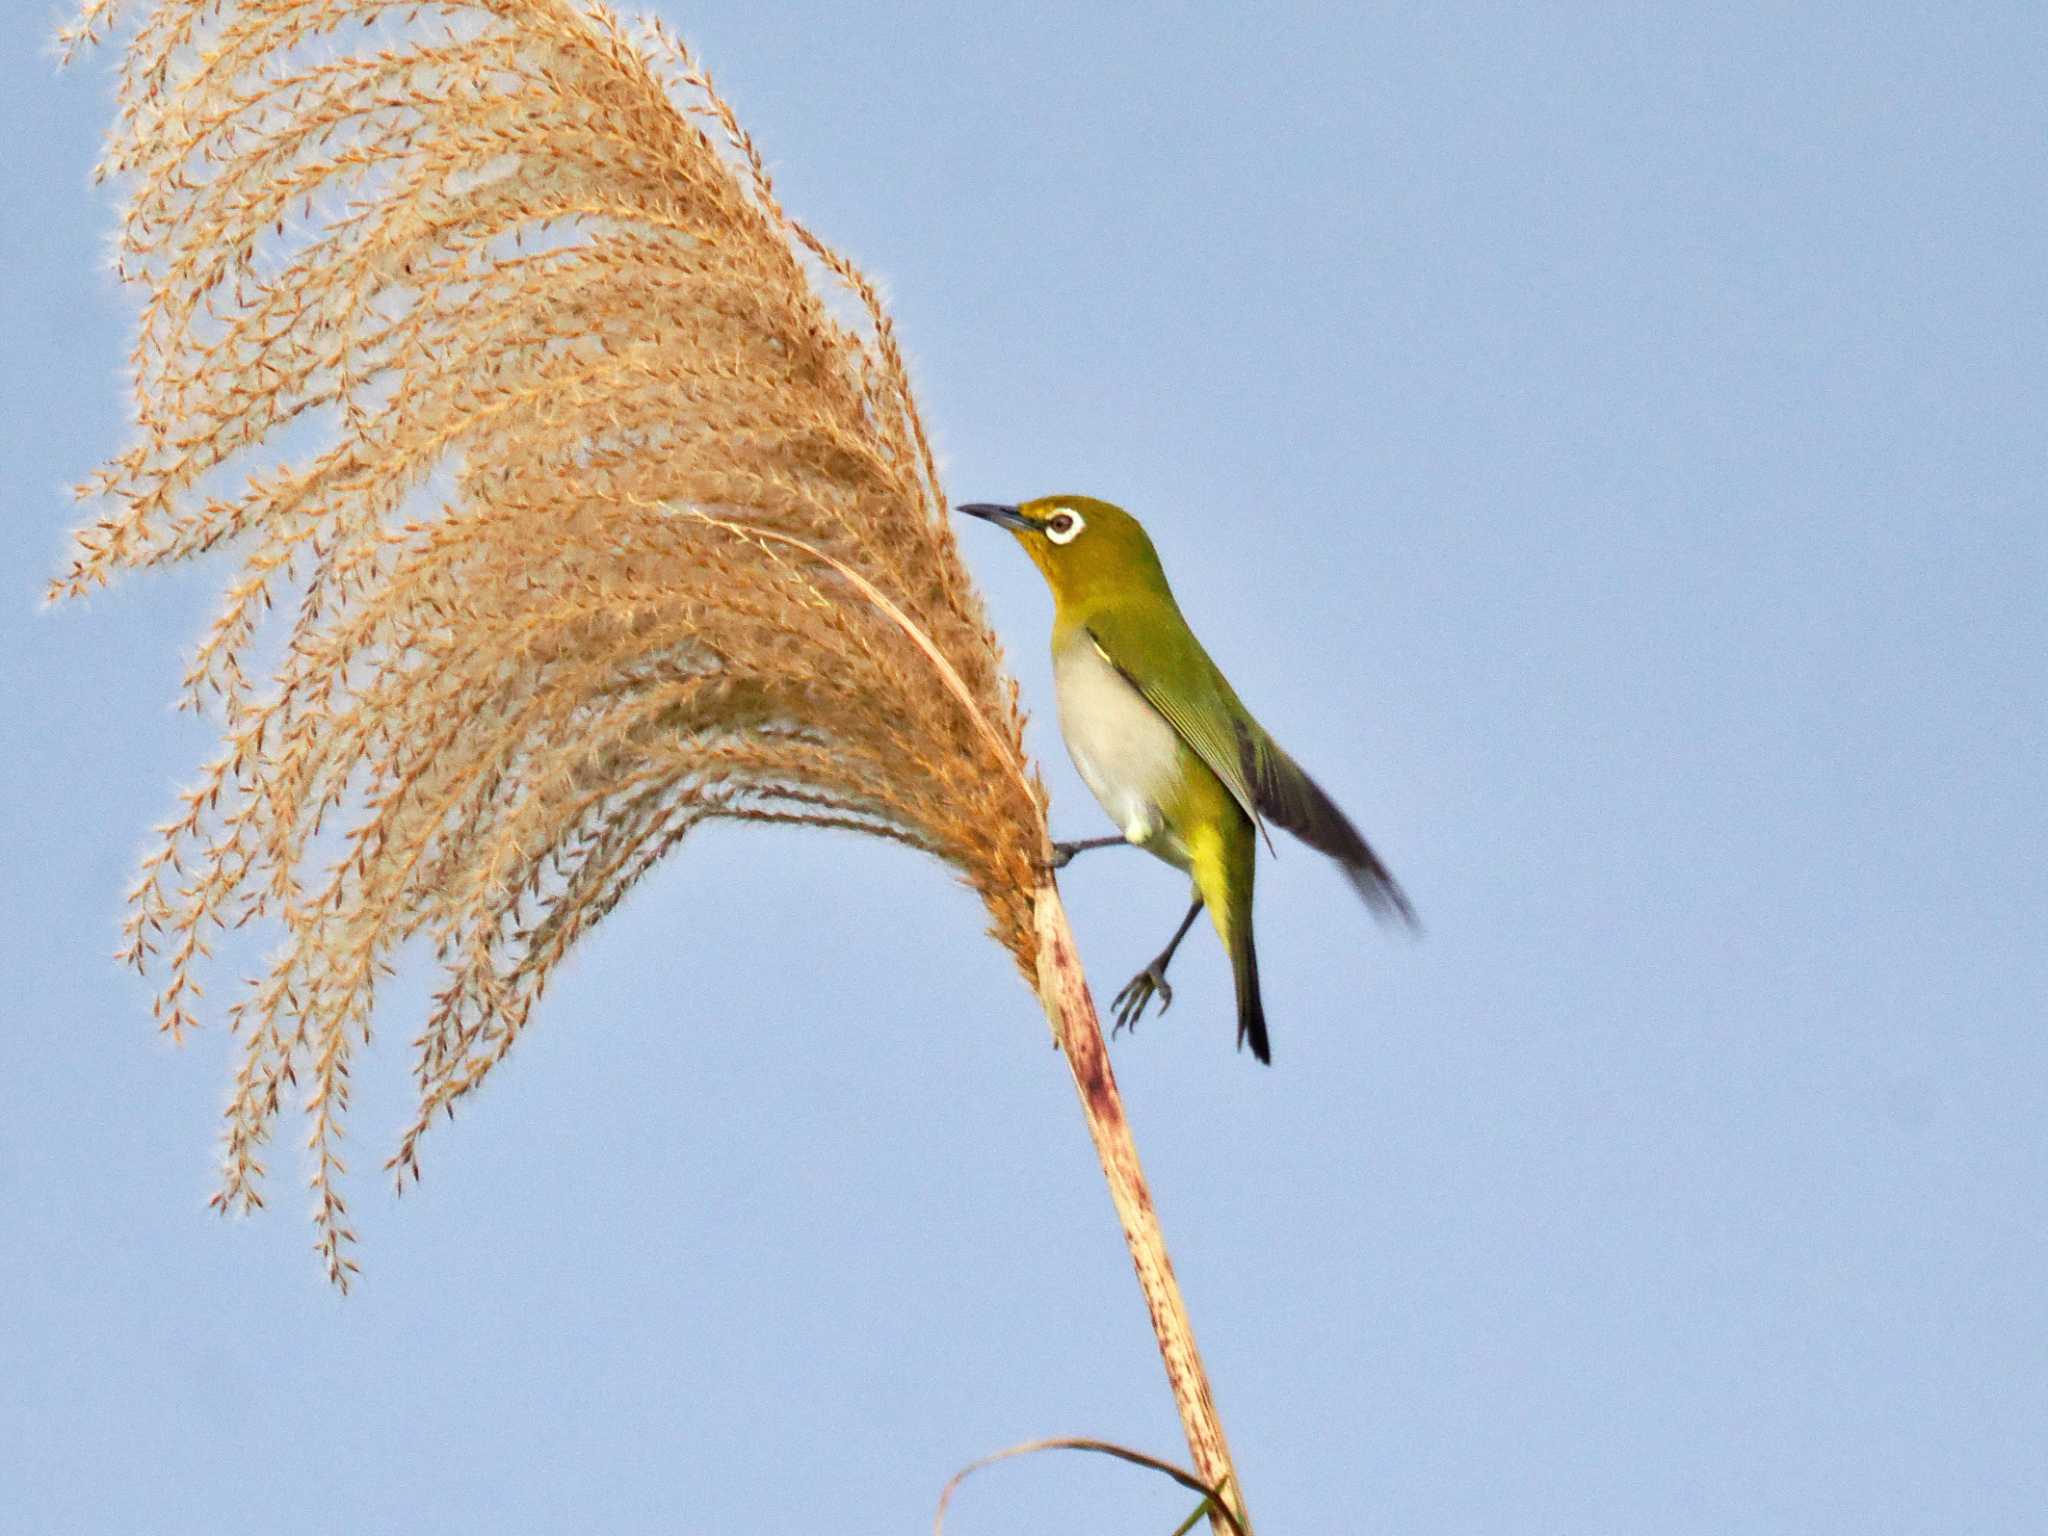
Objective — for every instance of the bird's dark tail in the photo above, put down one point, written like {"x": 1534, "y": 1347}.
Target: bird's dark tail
{"x": 1251, "y": 1013}
{"x": 1224, "y": 864}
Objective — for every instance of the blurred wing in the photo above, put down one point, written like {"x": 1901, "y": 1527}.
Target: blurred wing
{"x": 1167, "y": 665}
{"x": 1295, "y": 801}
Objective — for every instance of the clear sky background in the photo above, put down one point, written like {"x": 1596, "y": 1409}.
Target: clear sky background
{"x": 1606, "y": 444}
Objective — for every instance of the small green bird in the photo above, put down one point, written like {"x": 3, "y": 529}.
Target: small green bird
{"x": 1165, "y": 744}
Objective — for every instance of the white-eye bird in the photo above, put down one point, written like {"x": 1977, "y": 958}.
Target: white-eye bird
{"x": 1165, "y": 744}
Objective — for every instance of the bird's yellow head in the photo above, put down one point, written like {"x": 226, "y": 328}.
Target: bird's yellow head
{"x": 1083, "y": 547}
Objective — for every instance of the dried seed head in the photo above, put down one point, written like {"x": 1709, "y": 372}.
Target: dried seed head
{"x": 587, "y": 488}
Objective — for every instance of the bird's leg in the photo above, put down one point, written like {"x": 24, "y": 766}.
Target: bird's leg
{"x": 1131, "y": 1002}
{"x": 1063, "y": 853}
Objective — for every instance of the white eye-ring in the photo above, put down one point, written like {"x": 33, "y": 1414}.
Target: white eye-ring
{"x": 1064, "y": 526}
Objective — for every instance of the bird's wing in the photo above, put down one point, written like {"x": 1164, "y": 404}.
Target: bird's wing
{"x": 1164, "y": 661}
{"x": 1175, "y": 676}
{"x": 1284, "y": 792}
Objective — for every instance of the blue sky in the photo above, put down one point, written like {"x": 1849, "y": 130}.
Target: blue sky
{"x": 1604, "y": 444}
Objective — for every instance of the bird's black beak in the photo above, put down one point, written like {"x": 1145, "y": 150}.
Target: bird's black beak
{"x": 1001, "y": 516}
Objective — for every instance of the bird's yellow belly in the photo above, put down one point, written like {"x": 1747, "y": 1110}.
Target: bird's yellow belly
{"x": 1126, "y": 753}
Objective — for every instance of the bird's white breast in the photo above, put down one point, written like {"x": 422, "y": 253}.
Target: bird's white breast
{"x": 1126, "y": 752}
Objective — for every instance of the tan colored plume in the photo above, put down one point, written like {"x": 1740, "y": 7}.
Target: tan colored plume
{"x": 582, "y": 490}
{"x": 578, "y": 499}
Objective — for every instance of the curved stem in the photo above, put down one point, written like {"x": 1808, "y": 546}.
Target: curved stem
{"x": 1077, "y": 1031}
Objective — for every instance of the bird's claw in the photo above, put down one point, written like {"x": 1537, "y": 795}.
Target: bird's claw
{"x": 1131, "y": 1003}
{"x": 1063, "y": 853}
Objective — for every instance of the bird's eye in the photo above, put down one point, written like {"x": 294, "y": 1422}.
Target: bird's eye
{"x": 1062, "y": 526}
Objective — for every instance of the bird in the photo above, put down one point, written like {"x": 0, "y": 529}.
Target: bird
{"x": 1166, "y": 746}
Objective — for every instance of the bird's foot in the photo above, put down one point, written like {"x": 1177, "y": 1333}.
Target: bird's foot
{"x": 1063, "y": 854}
{"x": 1131, "y": 1003}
